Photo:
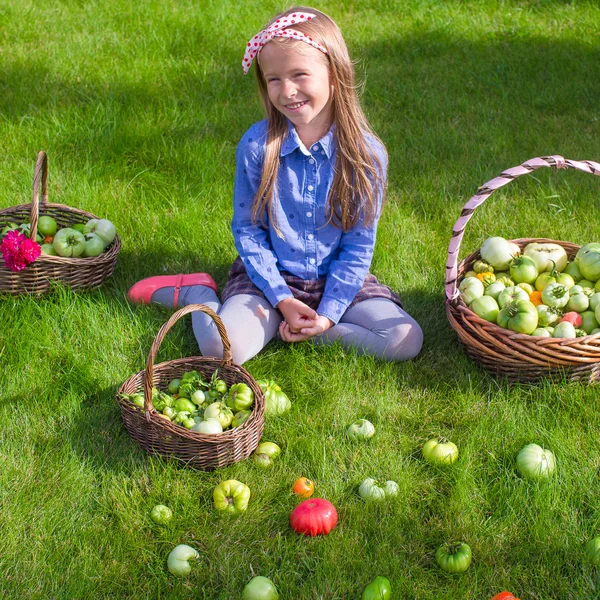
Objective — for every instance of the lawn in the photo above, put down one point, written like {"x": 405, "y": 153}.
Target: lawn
{"x": 139, "y": 107}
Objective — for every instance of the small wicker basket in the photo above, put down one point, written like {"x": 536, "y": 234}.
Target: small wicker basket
{"x": 518, "y": 357}
{"x": 160, "y": 436}
{"x": 37, "y": 277}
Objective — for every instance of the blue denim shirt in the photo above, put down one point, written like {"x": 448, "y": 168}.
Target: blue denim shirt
{"x": 311, "y": 248}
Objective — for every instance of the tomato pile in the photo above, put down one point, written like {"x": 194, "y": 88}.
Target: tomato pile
{"x": 538, "y": 292}
{"x": 80, "y": 239}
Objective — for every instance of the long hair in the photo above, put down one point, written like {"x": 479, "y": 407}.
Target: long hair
{"x": 358, "y": 171}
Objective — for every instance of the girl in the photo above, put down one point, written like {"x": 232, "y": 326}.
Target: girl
{"x": 309, "y": 187}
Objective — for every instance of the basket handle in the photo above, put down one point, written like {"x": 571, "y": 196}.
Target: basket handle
{"x": 486, "y": 190}
{"x": 149, "y": 375}
{"x": 40, "y": 175}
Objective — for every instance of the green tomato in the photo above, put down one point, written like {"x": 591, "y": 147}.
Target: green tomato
{"x": 78, "y": 227}
{"x": 533, "y": 462}
{"x": 541, "y": 332}
{"x": 471, "y": 288}
{"x": 512, "y": 294}
{"x": 69, "y": 243}
{"x": 555, "y": 295}
{"x": 565, "y": 279}
{"x": 94, "y": 246}
{"x": 260, "y": 588}
{"x": 438, "y": 453}
{"x": 564, "y": 329}
{"x": 276, "y": 401}
{"x": 520, "y": 316}
{"x": 379, "y": 589}
{"x": 588, "y": 321}
{"x": 47, "y": 225}
{"x": 454, "y": 557}
{"x": 585, "y": 283}
{"x": 547, "y": 315}
{"x": 486, "y": 308}
{"x": 241, "y": 397}
{"x": 588, "y": 262}
{"x": 544, "y": 279}
{"x": 361, "y": 430}
{"x": 548, "y": 256}
{"x": 198, "y": 398}
{"x": 265, "y": 453}
{"x": 161, "y": 514}
{"x": 48, "y": 250}
{"x": 494, "y": 289}
{"x": 573, "y": 270}
{"x": 174, "y": 386}
{"x": 578, "y": 302}
{"x": 523, "y": 269}
{"x": 592, "y": 550}
{"x": 219, "y": 411}
{"x": 209, "y": 426}
{"x": 169, "y": 411}
{"x": 391, "y": 488}
{"x": 480, "y": 266}
{"x": 220, "y": 386}
{"x": 103, "y": 228}
{"x": 240, "y": 417}
{"x": 370, "y": 489}
{"x": 231, "y": 496}
{"x": 498, "y": 252}
{"x": 179, "y": 560}
{"x": 527, "y": 287}
{"x": 184, "y": 404}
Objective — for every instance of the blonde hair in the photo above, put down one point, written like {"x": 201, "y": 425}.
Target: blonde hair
{"x": 358, "y": 170}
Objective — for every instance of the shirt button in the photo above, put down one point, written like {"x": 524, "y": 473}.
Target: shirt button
{"x": 312, "y": 261}
{"x": 315, "y": 148}
{"x": 310, "y": 188}
{"x": 310, "y": 236}
{"x": 311, "y": 161}
{"x": 309, "y": 214}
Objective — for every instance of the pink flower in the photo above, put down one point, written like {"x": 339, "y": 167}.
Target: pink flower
{"x": 18, "y": 250}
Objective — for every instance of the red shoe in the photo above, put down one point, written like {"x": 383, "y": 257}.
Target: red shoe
{"x": 142, "y": 291}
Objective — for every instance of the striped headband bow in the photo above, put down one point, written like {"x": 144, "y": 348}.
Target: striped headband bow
{"x": 279, "y": 29}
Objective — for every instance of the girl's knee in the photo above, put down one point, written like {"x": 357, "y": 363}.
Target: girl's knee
{"x": 405, "y": 342}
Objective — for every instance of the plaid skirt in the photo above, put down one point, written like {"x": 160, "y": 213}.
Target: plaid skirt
{"x": 307, "y": 291}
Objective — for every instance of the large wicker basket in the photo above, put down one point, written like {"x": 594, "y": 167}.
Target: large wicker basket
{"x": 518, "y": 357}
{"x": 159, "y": 436}
{"x": 37, "y": 277}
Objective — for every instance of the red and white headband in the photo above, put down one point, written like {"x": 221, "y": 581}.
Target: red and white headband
{"x": 278, "y": 29}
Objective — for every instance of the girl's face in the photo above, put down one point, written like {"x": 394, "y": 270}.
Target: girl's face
{"x": 298, "y": 86}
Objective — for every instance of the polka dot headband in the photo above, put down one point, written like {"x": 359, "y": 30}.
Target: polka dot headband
{"x": 278, "y": 29}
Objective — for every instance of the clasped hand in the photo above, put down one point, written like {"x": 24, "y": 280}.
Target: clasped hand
{"x": 300, "y": 322}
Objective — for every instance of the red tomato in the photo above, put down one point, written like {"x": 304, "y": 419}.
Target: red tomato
{"x": 313, "y": 517}
{"x": 504, "y": 596}
{"x": 572, "y": 317}
{"x": 303, "y": 487}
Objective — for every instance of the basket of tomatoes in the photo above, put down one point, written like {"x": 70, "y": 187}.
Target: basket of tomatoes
{"x": 205, "y": 412}
{"x": 43, "y": 243}
{"x": 525, "y": 308}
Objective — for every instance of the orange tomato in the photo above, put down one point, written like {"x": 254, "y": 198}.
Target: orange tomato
{"x": 535, "y": 298}
{"x": 303, "y": 487}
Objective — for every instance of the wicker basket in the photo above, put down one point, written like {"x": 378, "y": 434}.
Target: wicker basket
{"x": 159, "y": 436}
{"x": 518, "y": 357}
{"x": 36, "y": 278}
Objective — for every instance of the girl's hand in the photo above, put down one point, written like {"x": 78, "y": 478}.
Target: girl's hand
{"x": 297, "y": 314}
{"x": 287, "y": 335}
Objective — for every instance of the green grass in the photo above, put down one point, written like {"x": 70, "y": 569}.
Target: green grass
{"x": 140, "y": 110}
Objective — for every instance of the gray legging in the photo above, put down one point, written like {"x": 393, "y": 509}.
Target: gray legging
{"x": 377, "y": 326}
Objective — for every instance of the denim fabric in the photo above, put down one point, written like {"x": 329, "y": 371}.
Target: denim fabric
{"x": 310, "y": 248}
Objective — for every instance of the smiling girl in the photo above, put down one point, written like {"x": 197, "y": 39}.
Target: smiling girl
{"x": 309, "y": 189}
